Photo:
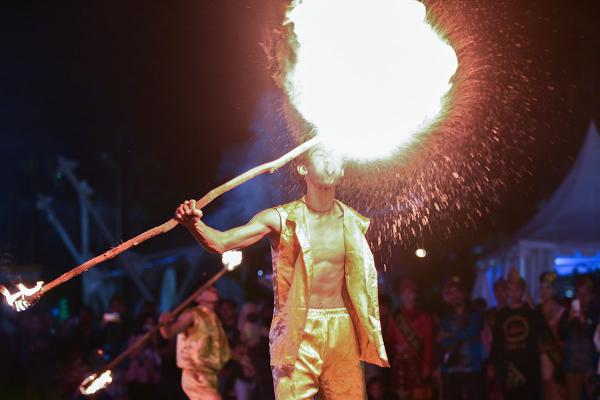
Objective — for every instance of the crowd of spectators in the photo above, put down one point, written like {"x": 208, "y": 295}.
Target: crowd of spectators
{"x": 513, "y": 350}
{"x": 46, "y": 357}
{"x": 464, "y": 350}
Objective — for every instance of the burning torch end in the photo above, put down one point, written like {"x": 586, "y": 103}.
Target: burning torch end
{"x": 24, "y": 298}
{"x": 231, "y": 259}
{"x": 95, "y": 383}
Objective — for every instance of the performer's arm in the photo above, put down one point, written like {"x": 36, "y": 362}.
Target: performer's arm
{"x": 169, "y": 329}
{"x": 262, "y": 224}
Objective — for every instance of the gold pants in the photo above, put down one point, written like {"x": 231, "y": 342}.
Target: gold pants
{"x": 328, "y": 361}
{"x": 199, "y": 386}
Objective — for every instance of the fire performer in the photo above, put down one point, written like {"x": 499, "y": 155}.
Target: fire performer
{"x": 202, "y": 347}
{"x": 326, "y": 315}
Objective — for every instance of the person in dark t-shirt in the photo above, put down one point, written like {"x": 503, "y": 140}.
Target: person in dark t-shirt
{"x": 515, "y": 354}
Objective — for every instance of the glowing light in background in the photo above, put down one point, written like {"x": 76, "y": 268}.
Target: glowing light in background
{"x": 421, "y": 253}
{"x": 369, "y": 74}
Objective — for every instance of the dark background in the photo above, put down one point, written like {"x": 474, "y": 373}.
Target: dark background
{"x": 148, "y": 97}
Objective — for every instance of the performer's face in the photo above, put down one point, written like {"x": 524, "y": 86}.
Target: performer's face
{"x": 323, "y": 168}
{"x": 208, "y": 298}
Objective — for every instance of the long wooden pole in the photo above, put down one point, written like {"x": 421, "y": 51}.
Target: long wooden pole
{"x": 167, "y": 226}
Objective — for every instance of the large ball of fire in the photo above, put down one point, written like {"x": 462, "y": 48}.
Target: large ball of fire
{"x": 368, "y": 74}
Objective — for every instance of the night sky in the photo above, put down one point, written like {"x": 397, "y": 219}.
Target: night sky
{"x": 148, "y": 97}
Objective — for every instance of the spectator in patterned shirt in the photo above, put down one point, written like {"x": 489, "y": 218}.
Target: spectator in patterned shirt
{"x": 410, "y": 340}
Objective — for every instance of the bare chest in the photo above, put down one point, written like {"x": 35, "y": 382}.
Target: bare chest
{"x": 326, "y": 238}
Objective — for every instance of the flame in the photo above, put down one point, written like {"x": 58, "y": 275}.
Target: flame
{"x": 94, "y": 383}
{"x": 369, "y": 74}
{"x": 231, "y": 259}
{"x": 20, "y": 301}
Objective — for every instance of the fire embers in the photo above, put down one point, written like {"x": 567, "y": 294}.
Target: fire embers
{"x": 24, "y": 298}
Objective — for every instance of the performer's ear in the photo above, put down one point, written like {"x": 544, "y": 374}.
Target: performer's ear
{"x": 302, "y": 170}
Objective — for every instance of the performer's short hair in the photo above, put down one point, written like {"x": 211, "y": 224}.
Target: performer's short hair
{"x": 303, "y": 158}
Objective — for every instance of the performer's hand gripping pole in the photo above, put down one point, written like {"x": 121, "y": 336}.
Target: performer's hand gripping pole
{"x": 22, "y": 299}
{"x": 100, "y": 380}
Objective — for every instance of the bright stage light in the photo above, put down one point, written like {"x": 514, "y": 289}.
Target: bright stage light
{"x": 369, "y": 74}
{"x": 421, "y": 253}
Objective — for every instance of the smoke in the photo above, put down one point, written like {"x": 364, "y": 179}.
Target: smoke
{"x": 270, "y": 141}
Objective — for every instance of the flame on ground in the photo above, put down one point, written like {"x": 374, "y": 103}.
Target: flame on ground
{"x": 20, "y": 301}
{"x": 368, "y": 74}
{"x": 94, "y": 383}
{"x": 231, "y": 259}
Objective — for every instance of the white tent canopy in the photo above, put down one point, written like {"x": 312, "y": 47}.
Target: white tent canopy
{"x": 564, "y": 236}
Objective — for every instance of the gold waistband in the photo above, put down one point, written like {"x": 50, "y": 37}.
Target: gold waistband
{"x": 327, "y": 312}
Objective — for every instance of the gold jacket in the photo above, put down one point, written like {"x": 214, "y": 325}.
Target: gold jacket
{"x": 203, "y": 347}
{"x": 292, "y": 278}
